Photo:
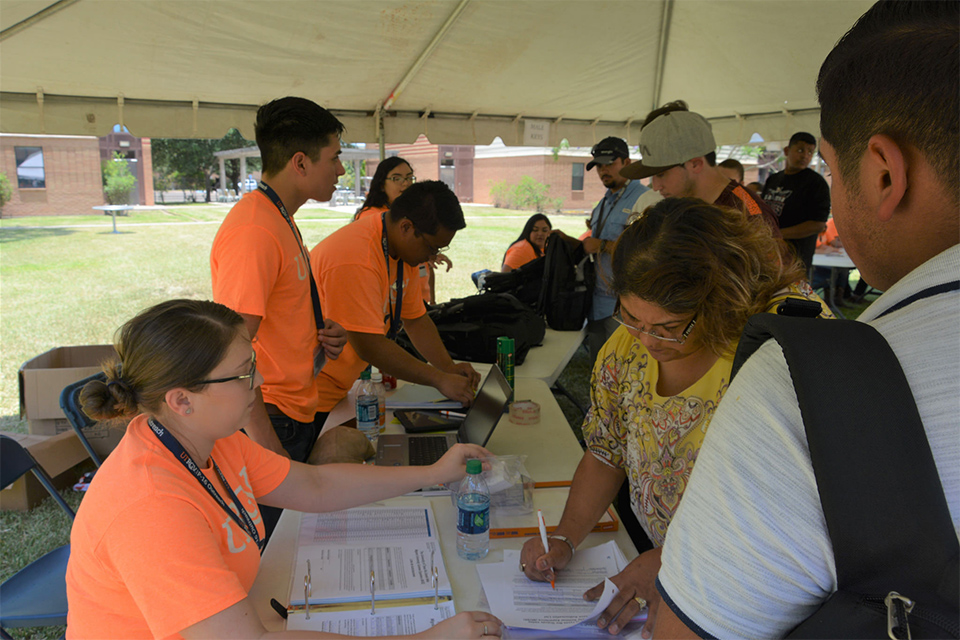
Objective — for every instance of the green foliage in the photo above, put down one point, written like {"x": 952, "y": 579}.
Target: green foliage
{"x": 117, "y": 180}
{"x": 526, "y": 194}
{"x": 189, "y": 163}
{"x": 564, "y": 144}
{"x": 6, "y": 191}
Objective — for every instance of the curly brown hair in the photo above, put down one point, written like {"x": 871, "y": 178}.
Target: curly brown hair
{"x": 694, "y": 258}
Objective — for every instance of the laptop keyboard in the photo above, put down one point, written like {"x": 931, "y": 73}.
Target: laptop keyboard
{"x": 426, "y": 450}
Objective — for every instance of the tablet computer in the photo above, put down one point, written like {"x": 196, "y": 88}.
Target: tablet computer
{"x": 417, "y": 421}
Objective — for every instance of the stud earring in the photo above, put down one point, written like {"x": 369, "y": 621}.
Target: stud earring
{"x": 188, "y": 411}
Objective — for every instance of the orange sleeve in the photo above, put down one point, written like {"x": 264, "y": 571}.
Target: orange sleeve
{"x": 519, "y": 254}
{"x": 245, "y": 263}
{"x": 353, "y": 296}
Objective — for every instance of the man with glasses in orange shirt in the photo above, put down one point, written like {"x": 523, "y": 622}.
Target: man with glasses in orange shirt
{"x": 367, "y": 278}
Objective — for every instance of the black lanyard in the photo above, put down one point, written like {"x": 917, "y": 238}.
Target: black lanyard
{"x": 319, "y": 357}
{"x": 394, "y": 309}
{"x": 171, "y": 443}
{"x": 929, "y": 292}
{"x": 601, "y": 219}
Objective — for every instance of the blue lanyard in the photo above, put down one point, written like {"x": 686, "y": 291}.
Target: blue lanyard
{"x": 171, "y": 443}
{"x": 319, "y": 356}
{"x": 394, "y": 309}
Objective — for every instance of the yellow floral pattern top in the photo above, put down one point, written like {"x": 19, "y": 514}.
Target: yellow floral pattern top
{"x": 655, "y": 439}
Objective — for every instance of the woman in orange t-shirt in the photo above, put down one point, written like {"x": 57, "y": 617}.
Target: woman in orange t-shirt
{"x": 529, "y": 246}
{"x": 167, "y": 541}
{"x": 392, "y": 178}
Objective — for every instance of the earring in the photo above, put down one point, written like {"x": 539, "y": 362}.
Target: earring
{"x": 188, "y": 411}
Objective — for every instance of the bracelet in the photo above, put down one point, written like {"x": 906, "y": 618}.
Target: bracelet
{"x": 573, "y": 549}
{"x": 603, "y": 246}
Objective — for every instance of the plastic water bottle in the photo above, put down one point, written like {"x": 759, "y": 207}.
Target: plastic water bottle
{"x": 377, "y": 379}
{"x": 368, "y": 407}
{"x": 473, "y": 514}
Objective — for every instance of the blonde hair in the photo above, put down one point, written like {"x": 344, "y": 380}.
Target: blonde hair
{"x": 693, "y": 258}
{"x": 173, "y": 344}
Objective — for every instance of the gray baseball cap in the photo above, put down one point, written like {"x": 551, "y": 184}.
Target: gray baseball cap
{"x": 671, "y": 139}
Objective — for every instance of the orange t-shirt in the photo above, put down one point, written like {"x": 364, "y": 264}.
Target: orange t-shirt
{"x": 354, "y": 282}
{"x": 829, "y": 234}
{"x": 520, "y": 253}
{"x": 258, "y": 269}
{"x": 152, "y": 553}
{"x": 422, "y": 269}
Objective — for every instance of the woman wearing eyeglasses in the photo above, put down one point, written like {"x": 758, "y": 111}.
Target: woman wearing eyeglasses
{"x": 392, "y": 178}
{"x": 687, "y": 276}
{"x": 167, "y": 541}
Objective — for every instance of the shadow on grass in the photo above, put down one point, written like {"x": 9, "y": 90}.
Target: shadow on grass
{"x": 20, "y": 234}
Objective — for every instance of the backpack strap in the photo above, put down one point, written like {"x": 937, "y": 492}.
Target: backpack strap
{"x": 882, "y": 498}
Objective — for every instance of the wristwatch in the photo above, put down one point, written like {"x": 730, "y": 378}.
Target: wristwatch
{"x": 603, "y": 246}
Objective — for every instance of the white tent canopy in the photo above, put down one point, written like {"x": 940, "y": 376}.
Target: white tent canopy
{"x": 459, "y": 71}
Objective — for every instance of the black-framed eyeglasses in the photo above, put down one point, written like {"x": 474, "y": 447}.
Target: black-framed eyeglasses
{"x": 402, "y": 179}
{"x": 653, "y": 334}
{"x": 252, "y": 375}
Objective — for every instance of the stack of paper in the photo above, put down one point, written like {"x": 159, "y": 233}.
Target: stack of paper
{"x": 397, "y": 544}
{"x": 534, "y": 609}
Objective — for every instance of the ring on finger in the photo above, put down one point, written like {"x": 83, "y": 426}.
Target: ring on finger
{"x": 484, "y": 628}
{"x": 641, "y": 602}
{"x": 523, "y": 566}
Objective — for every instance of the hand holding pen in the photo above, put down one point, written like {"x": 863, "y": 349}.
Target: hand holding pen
{"x": 539, "y": 562}
{"x": 546, "y": 546}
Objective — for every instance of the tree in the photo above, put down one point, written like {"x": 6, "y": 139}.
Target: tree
{"x": 6, "y": 191}
{"x": 190, "y": 164}
{"x": 117, "y": 179}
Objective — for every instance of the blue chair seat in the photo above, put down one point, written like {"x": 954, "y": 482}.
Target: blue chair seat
{"x": 36, "y": 596}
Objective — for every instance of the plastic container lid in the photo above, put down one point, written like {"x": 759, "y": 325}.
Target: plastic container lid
{"x": 474, "y": 466}
{"x": 375, "y": 375}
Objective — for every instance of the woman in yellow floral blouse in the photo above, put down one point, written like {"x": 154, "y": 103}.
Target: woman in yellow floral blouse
{"x": 688, "y": 275}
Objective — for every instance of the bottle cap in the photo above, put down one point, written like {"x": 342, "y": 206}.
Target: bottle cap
{"x": 375, "y": 375}
{"x": 474, "y": 466}
{"x": 365, "y": 374}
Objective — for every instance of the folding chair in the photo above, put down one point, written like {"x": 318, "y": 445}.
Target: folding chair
{"x": 70, "y": 403}
{"x": 36, "y": 596}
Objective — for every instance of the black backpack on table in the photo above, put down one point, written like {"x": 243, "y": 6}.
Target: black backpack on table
{"x": 568, "y": 282}
{"x": 469, "y": 327}
{"x": 895, "y": 547}
{"x": 524, "y": 282}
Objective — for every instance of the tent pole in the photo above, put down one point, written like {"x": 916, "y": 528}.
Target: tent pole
{"x": 35, "y": 18}
{"x": 665, "y": 18}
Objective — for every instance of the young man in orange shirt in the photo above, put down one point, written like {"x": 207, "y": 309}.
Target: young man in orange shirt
{"x": 366, "y": 273}
{"x": 261, "y": 270}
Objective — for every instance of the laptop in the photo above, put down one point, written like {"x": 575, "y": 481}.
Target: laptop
{"x": 401, "y": 449}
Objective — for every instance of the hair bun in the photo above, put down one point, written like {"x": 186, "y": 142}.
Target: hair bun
{"x": 113, "y": 399}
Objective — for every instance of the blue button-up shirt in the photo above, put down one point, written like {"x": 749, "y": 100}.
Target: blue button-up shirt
{"x": 615, "y": 208}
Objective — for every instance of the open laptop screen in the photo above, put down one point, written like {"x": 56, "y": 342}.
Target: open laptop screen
{"x": 487, "y": 409}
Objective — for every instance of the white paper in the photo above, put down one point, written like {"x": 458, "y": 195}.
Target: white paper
{"x": 520, "y": 602}
{"x": 385, "y": 622}
{"x": 420, "y": 396}
{"x": 398, "y": 544}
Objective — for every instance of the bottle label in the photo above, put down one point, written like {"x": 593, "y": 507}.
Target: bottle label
{"x": 368, "y": 411}
{"x": 473, "y": 522}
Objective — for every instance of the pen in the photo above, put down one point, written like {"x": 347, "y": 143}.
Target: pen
{"x": 453, "y": 414}
{"x": 543, "y": 539}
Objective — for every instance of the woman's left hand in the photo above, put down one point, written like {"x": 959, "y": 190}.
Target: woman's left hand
{"x": 332, "y": 337}
{"x": 453, "y": 465}
{"x": 635, "y": 582}
{"x": 439, "y": 259}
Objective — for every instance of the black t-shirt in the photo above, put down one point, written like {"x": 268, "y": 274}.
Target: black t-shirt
{"x": 800, "y": 197}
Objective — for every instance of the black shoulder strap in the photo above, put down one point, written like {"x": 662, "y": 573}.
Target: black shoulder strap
{"x": 882, "y": 498}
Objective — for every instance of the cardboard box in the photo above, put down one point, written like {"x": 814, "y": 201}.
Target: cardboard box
{"x": 43, "y": 378}
{"x": 62, "y": 457}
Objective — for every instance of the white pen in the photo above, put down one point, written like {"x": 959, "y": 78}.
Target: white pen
{"x": 543, "y": 539}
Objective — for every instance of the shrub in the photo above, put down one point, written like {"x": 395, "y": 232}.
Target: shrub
{"x": 6, "y": 191}
{"x": 117, "y": 180}
{"x": 526, "y": 194}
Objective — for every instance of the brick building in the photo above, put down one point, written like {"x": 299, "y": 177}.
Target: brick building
{"x": 60, "y": 175}
{"x": 473, "y": 171}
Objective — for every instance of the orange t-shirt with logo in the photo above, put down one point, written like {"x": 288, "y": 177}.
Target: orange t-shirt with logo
{"x": 520, "y": 253}
{"x": 423, "y": 269}
{"x": 258, "y": 269}
{"x": 355, "y": 286}
{"x": 152, "y": 553}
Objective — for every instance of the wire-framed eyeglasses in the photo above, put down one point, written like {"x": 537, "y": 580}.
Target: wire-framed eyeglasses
{"x": 252, "y": 374}
{"x": 618, "y": 316}
{"x": 402, "y": 179}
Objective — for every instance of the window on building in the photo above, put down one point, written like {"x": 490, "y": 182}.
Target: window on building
{"x": 30, "y": 174}
{"x": 577, "y": 184}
